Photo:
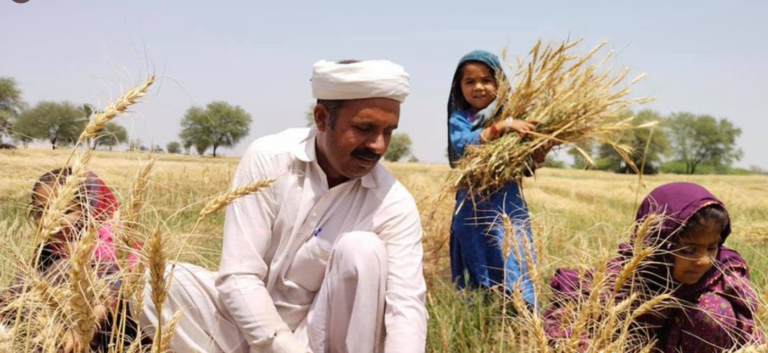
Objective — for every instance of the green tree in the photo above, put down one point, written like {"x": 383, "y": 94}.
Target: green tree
{"x": 187, "y": 144}
{"x": 173, "y": 147}
{"x": 201, "y": 146}
{"x": 219, "y": 124}
{"x": 111, "y": 135}
{"x": 58, "y": 123}
{"x": 399, "y": 147}
{"x": 649, "y": 146}
{"x": 11, "y": 104}
{"x": 702, "y": 139}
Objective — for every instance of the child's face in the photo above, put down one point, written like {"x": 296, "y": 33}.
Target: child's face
{"x": 478, "y": 85}
{"x": 696, "y": 254}
{"x": 72, "y": 216}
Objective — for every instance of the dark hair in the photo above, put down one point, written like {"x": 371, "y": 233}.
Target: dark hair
{"x": 460, "y": 102}
{"x": 55, "y": 177}
{"x": 709, "y": 216}
{"x": 333, "y": 105}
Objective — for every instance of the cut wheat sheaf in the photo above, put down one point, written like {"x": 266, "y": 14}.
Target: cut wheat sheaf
{"x": 576, "y": 99}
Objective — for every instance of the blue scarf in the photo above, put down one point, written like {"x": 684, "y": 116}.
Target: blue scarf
{"x": 456, "y": 99}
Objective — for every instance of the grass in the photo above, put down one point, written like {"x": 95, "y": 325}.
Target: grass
{"x": 577, "y": 216}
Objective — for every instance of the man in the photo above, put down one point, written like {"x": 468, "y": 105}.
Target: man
{"x": 328, "y": 258}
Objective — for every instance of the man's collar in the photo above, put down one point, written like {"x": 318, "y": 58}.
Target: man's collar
{"x": 306, "y": 151}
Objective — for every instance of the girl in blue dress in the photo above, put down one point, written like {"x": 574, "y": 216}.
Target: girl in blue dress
{"x": 477, "y": 258}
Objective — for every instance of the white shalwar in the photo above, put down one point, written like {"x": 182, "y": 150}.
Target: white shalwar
{"x": 306, "y": 268}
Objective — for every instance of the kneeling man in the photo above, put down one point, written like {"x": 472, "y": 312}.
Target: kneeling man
{"x": 328, "y": 258}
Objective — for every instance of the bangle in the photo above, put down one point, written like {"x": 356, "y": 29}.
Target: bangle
{"x": 509, "y": 123}
{"x": 494, "y": 130}
{"x": 483, "y": 140}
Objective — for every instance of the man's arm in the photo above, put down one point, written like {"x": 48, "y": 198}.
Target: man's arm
{"x": 405, "y": 316}
{"x": 247, "y": 237}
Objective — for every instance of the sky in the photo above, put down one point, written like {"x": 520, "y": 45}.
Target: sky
{"x": 704, "y": 57}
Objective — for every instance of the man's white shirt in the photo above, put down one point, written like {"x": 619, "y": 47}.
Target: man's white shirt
{"x": 267, "y": 289}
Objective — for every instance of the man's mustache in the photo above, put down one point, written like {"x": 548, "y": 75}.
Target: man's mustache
{"x": 366, "y": 154}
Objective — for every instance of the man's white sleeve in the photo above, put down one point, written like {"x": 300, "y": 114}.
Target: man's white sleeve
{"x": 247, "y": 236}
{"x": 405, "y": 316}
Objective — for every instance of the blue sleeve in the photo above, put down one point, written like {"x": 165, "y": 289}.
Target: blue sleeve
{"x": 460, "y": 133}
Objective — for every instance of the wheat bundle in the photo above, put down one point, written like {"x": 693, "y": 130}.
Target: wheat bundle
{"x": 576, "y": 99}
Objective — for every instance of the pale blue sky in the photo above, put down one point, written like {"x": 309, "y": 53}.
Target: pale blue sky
{"x": 701, "y": 56}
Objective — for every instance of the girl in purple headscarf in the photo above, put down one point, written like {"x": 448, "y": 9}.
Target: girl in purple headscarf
{"x": 710, "y": 281}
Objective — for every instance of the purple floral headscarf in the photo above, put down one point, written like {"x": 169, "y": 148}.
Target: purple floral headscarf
{"x": 723, "y": 292}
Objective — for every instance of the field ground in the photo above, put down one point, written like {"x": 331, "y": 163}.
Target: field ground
{"x": 578, "y": 218}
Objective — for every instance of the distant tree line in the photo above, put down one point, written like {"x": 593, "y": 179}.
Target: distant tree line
{"x": 217, "y": 125}
{"x": 681, "y": 143}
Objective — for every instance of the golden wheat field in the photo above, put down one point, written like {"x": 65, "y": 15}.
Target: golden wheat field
{"x": 578, "y": 218}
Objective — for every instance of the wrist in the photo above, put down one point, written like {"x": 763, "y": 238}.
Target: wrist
{"x": 494, "y": 130}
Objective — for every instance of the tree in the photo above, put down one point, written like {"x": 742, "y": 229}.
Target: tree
{"x": 58, "y": 123}
{"x": 399, "y": 147}
{"x": 648, "y": 145}
{"x": 11, "y": 104}
{"x": 136, "y": 146}
{"x": 219, "y": 124}
{"x": 111, "y": 135}
{"x": 187, "y": 143}
{"x": 201, "y": 146}
{"x": 702, "y": 139}
{"x": 173, "y": 147}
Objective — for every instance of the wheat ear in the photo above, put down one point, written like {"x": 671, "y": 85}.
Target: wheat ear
{"x": 114, "y": 108}
{"x": 81, "y": 279}
{"x": 224, "y": 199}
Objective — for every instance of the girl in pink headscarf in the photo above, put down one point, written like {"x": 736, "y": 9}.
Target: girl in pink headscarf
{"x": 93, "y": 204}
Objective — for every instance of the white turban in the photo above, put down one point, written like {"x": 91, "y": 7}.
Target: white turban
{"x": 358, "y": 80}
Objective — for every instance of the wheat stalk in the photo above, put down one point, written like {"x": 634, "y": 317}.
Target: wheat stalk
{"x": 114, "y": 108}
{"x": 60, "y": 201}
{"x": 225, "y": 198}
{"x": 157, "y": 258}
{"x": 81, "y": 279}
{"x": 164, "y": 345}
{"x": 649, "y": 305}
{"x": 129, "y": 231}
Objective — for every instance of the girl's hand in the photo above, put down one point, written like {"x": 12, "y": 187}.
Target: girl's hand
{"x": 522, "y": 127}
{"x": 72, "y": 344}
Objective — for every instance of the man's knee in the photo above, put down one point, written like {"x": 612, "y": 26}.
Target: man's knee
{"x": 360, "y": 250}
